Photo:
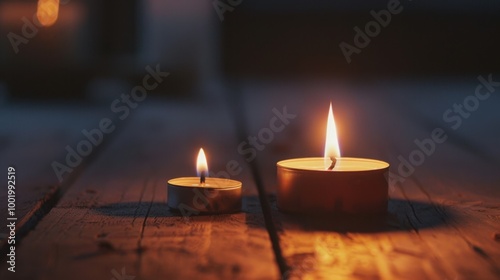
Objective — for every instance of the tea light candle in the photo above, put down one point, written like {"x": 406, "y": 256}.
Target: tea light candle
{"x": 202, "y": 194}
{"x": 332, "y": 184}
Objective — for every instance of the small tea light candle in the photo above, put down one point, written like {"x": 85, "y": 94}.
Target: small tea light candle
{"x": 332, "y": 184}
{"x": 202, "y": 194}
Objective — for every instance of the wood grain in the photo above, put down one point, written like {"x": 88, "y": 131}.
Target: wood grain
{"x": 32, "y": 137}
{"x": 113, "y": 221}
{"x": 115, "y": 217}
{"x": 440, "y": 224}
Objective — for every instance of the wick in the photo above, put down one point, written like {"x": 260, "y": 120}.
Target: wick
{"x": 334, "y": 161}
{"x": 202, "y": 178}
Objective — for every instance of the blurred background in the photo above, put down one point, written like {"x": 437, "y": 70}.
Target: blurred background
{"x": 98, "y": 49}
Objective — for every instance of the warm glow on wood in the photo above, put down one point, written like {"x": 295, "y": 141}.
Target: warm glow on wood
{"x": 201, "y": 164}
{"x": 332, "y": 149}
{"x": 47, "y": 12}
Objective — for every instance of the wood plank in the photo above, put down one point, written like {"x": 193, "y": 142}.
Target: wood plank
{"x": 32, "y": 137}
{"x": 115, "y": 216}
{"x": 429, "y": 232}
{"x": 448, "y": 193}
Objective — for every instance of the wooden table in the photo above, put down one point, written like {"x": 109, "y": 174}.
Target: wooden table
{"x": 107, "y": 219}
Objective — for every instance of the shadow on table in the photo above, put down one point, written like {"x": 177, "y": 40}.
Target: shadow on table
{"x": 136, "y": 209}
{"x": 146, "y": 209}
{"x": 250, "y": 205}
{"x": 402, "y": 215}
{"x": 250, "y": 209}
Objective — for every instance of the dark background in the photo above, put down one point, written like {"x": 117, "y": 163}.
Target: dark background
{"x": 97, "y": 49}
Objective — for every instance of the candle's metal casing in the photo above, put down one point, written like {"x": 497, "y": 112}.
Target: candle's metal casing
{"x": 305, "y": 191}
{"x": 219, "y": 196}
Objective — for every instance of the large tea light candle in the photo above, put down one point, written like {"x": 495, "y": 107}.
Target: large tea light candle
{"x": 332, "y": 184}
{"x": 202, "y": 194}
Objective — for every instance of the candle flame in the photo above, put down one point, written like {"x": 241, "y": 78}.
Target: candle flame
{"x": 201, "y": 164}
{"x": 47, "y": 12}
{"x": 332, "y": 149}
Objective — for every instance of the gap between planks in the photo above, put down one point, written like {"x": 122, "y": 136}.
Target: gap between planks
{"x": 237, "y": 109}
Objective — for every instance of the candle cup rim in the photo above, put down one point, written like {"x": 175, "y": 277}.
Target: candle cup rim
{"x": 234, "y": 184}
{"x": 384, "y": 165}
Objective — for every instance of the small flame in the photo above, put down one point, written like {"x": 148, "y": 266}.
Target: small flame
{"x": 47, "y": 12}
{"x": 201, "y": 164}
{"x": 332, "y": 149}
